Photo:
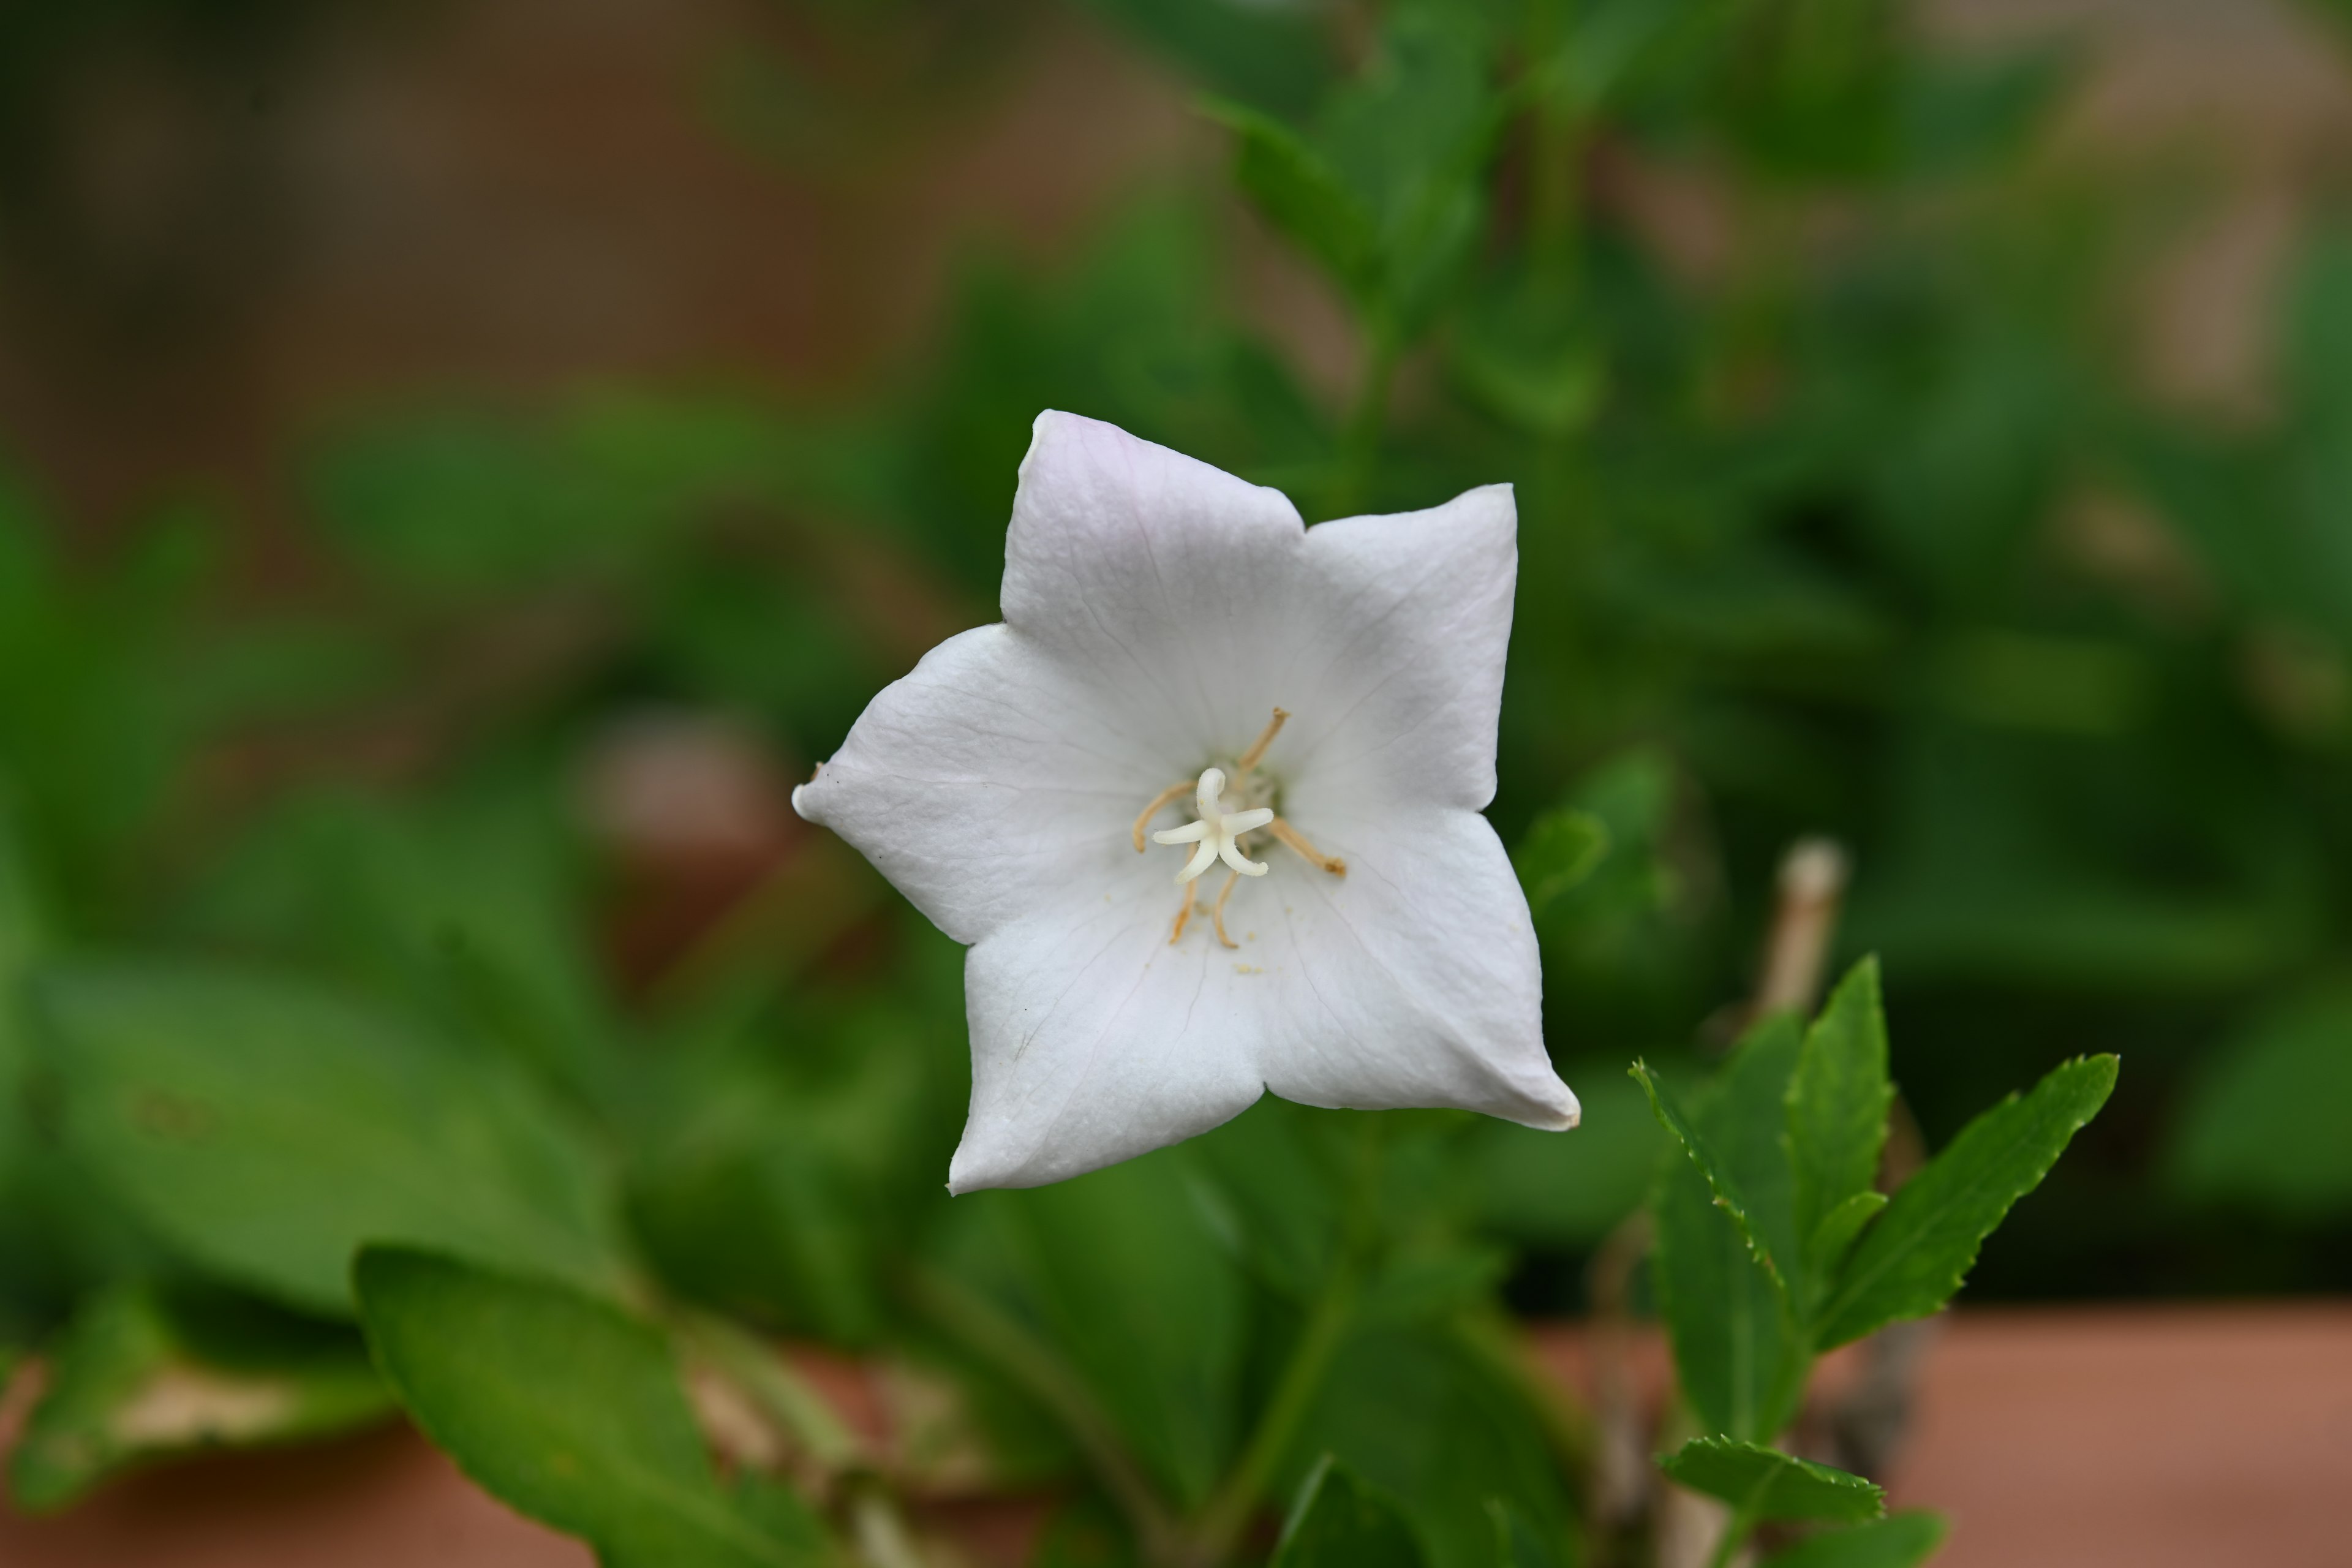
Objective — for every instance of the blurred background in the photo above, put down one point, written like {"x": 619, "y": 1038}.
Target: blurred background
{"x": 461, "y": 462}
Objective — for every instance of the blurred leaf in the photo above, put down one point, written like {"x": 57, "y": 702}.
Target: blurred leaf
{"x": 1421, "y": 1416}
{"x": 776, "y": 1176}
{"x": 1517, "y": 1545}
{"x": 1272, "y": 58}
{"x": 1272, "y": 1185}
{"x": 1560, "y": 851}
{"x": 1384, "y": 191}
{"x": 142, "y": 1375}
{"x": 569, "y": 1412}
{"x": 1961, "y": 114}
{"x": 1525, "y": 348}
{"x": 1911, "y": 1260}
{"x": 268, "y": 1130}
{"x": 1303, "y": 196}
{"x": 1838, "y": 1100}
{"x": 1763, "y": 1483}
{"x": 1568, "y": 1189}
{"x": 469, "y": 900}
{"x": 1739, "y": 1353}
{"x": 1899, "y": 1541}
{"x": 1337, "y": 1522}
{"x": 1121, "y": 1272}
{"x": 2261, "y": 1123}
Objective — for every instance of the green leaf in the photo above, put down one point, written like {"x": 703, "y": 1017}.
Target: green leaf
{"x": 267, "y": 1130}
{"x": 568, "y": 1411}
{"x": 1911, "y": 1261}
{"x": 1899, "y": 1541}
{"x": 1838, "y": 1100}
{"x": 1428, "y": 1417}
{"x": 1765, "y": 1483}
{"x": 1739, "y": 1353}
{"x": 141, "y": 1374}
{"x": 1560, "y": 851}
{"x": 1123, "y": 1273}
{"x": 2262, "y": 1123}
{"x": 1721, "y": 1179}
{"x": 1275, "y": 59}
{"x": 1542, "y": 1189}
{"x": 1339, "y": 1521}
{"x": 1826, "y": 1248}
{"x": 1303, "y": 196}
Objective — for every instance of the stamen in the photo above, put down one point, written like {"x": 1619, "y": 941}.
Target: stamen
{"x": 1183, "y": 915}
{"x": 1218, "y": 914}
{"x": 1251, "y": 758}
{"x": 1160, "y": 802}
{"x": 1298, "y": 841}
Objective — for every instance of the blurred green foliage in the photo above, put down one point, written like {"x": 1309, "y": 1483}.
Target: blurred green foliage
{"x": 1840, "y": 513}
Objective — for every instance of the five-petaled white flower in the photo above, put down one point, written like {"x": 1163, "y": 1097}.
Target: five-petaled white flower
{"x": 1159, "y": 614}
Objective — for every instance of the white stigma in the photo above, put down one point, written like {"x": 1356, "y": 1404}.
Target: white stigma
{"x": 1218, "y": 832}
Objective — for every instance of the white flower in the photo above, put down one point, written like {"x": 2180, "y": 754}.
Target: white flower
{"x": 1159, "y": 614}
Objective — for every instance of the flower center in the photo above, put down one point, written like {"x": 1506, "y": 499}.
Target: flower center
{"x": 1217, "y": 833}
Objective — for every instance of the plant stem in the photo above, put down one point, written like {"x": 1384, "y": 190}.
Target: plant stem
{"x": 781, "y": 1394}
{"x": 1327, "y": 1322}
{"x": 1302, "y": 1379}
{"x": 877, "y": 1527}
{"x": 1360, "y": 440}
{"x": 1033, "y": 1363}
{"x": 1556, "y": 137}
{"x": 1735, "y": 1536}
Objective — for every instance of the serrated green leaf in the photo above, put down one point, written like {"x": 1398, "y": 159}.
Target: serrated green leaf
{"x": 1740, "y": 1352}
{"x": 267, "y": 1130}
{"x": 1559, "y": 852}
{"x": 1339, "y": 1521}
{"x": 1722, "y": 1181}
{"x": 1764, "y": 1483}
{"x": 568, "y": 1411}
{"x": 1899, "y": 1541}
{"x": 142, "y": 1374}
{"x": 1915, "y": 1258}
{"x": 1838, "y": 1100}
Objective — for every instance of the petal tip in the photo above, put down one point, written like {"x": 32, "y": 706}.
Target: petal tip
{"x": 803, "y": 801}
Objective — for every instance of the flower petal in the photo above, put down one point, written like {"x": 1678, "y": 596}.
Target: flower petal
{"x": 1092, "y": 1040}
{"x": 1411, "y": 981}
{"x": 980, "y": 780}
{"x": 1415, "y": 615}
{"x": 1174, "y": 582}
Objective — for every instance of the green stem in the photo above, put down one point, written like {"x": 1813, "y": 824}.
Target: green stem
{"x": 782, "y": 1395}
{"x": 1221, "y": 1522}
{"x": 1030, "y": 1362}
{"x": 1556, "y": 140}
{"x": 876, "y": 1525}
{"x": 1360, "y": 440}
{"x": 1327, "y": 1322}
{"x": 1738, "y": 1527}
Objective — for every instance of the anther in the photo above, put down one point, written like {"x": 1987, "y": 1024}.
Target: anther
{"x": 1314, "y": 857}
